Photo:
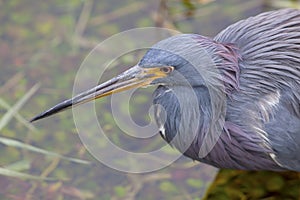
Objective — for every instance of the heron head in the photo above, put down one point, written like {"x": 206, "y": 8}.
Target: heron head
{"x": 163, "y": 64}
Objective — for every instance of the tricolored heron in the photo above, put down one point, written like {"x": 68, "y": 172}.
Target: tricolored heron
{"x": 259, "y": 62}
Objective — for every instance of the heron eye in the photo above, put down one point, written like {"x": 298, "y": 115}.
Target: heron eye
{"x": 166, "y": 70}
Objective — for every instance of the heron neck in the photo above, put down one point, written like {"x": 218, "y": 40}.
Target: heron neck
{"x": 186, "y": 117}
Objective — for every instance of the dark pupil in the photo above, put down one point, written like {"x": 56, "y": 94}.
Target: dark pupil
{"x": 165, "y": 69}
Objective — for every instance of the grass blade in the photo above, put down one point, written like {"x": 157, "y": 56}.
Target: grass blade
{"x": 11, "y": 173}
{"x": 18, "y": 144}
{"x": 15, "y": 143}
{"x": 5, "y": 105}
{"x": 18, "y": 166}
{"x": 9, "y": 114}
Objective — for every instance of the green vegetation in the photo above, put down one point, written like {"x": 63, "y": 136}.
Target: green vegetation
{"x": 42, "y": 44}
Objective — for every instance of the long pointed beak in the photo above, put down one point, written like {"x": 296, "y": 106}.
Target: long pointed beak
{"x": 133, "y": 78}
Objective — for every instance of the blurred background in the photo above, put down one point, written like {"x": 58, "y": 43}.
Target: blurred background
{"x": 43, "y": 43}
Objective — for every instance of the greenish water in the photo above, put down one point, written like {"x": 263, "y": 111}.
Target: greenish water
{"x": 46, "y": 41}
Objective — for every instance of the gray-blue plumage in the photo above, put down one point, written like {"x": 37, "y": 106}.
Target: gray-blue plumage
{"x": 232, "y": 101}
{"x": 259, "y": 60}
